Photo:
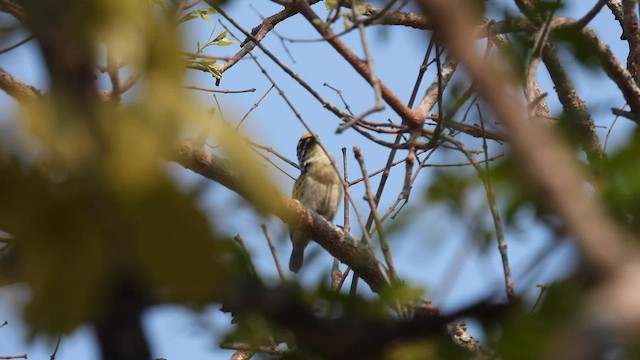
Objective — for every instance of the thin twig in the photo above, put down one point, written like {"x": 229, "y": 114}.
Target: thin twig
{"x": 216, "y": 91}
{"x": 55, "y": 351}
{"x": 19, "y": 43}
{"x": 131, "y": 80}
{"x": 267, "y": 159}
{"x": 497, "y": 221}
{"x": 531, "y": 86}
{"x": 626, "y": 114}
{"x": 460, "y": 164}
{"x": 347, "y": 227}
{"x": 353, "y": 289}
{"x": 254, "y": 106}
{"x": 372, "y": 205}
{"x": 274, "y": 152}
{"x": 338, "y": 277}
{"x": 428, "y": 100}
{"x": 339, "y": 92}
{"x": 113, "y": 70}
{"x": 543, "y": 290}
{"x": 440, "y": 84}
{"x": 583, "y": 21}
{"x": 613, "y": 123}
{"x": 274, "y": 253}
{"x": 215, "y": 98}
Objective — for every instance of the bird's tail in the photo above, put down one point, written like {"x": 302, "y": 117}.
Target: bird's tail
{"x": 297, "y": 258}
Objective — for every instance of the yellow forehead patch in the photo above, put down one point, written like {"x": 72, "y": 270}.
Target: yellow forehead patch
{"x": 306, "y": 136}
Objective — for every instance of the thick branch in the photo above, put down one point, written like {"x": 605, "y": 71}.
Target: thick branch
{"x": 632, "y": 33}
{"x": 615, "y": 71}
{"x": 573, "y": 106}
{"x": 391, "y": 17}
{"x": 343, "y": 336}
{"x": 15, "y": 88}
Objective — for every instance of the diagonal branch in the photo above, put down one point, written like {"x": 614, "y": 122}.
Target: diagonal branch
{"x": 16, "y": 88}
{"x": 573, "y": 106}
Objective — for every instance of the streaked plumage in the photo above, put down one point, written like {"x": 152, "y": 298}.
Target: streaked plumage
{"x": 318, "y": 188}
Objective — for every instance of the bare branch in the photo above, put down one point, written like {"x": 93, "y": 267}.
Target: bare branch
{"x": 13, "y": 8}
{"x": 274, "y": 252}
{"x": 372, "y": 206}
{"x": 615, "y": 71}
{"x": 583, "y": 21}
{"x": 16, "y": 88}
{"x": 632, "y": 34}
{"x": 573, "y": 106}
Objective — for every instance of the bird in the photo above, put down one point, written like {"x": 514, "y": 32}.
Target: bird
{"x": 318, "y": 188}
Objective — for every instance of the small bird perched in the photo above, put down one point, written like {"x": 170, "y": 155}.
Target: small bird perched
{"x": 318, "y": 188}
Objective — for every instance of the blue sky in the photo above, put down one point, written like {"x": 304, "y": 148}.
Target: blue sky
{"x": 428, "y": 251}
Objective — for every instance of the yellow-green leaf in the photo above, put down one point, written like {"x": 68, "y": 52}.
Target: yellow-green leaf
{"x": 225, "y": 42}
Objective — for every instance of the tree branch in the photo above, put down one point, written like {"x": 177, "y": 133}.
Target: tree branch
{"x": 573, "y": 106}
{"x": 13, "y": 8}
{"x": 632, "y": 33}
{"x": 15, "y": 88}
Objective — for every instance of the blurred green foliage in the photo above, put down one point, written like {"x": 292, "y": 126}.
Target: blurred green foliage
{"x": 86, "y": 196}
{"x": 622, "y": 183}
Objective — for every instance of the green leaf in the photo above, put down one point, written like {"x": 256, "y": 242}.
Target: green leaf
{"x": 209, "y": 11}
{"x": 221, "y": 36}
{"x": 225, "y": 42}
{"x": 190, "y": 16}
{"x": 208, "y": 62}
